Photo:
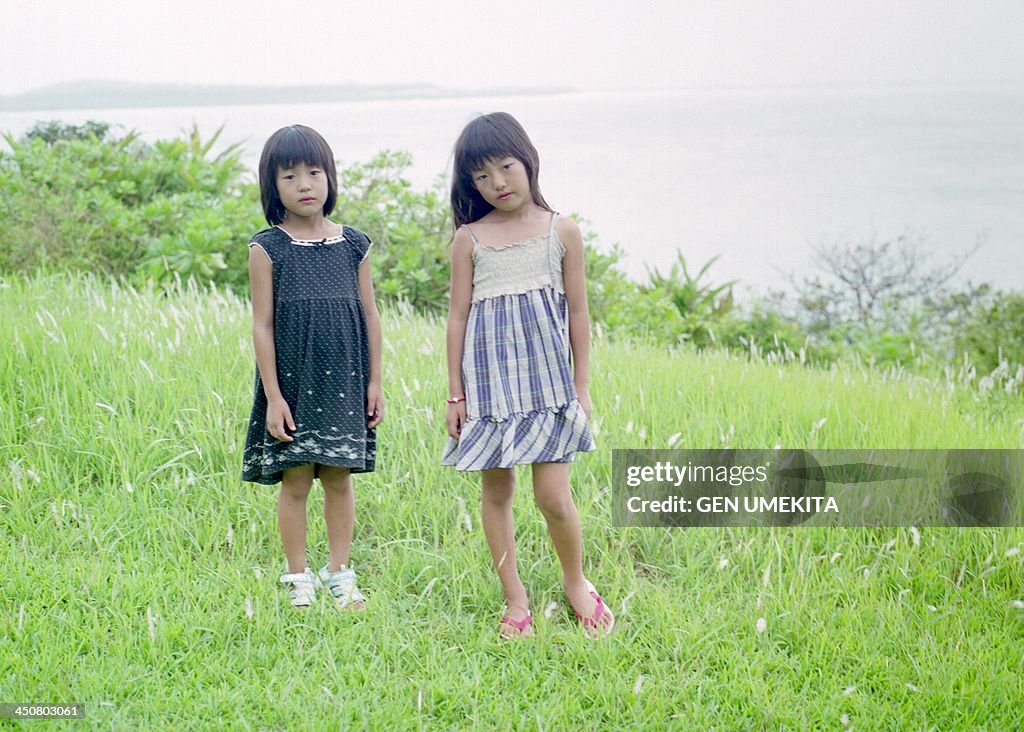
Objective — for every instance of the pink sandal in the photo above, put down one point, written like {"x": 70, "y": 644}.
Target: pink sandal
{"x": 520, "y": 626}
{"x": 592, "y": 625}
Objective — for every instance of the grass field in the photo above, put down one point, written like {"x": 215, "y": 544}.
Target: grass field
{"x": 140, "y": 574}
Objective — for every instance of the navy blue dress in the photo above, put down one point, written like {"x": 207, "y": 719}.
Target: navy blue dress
{"x": 323, "y": 358}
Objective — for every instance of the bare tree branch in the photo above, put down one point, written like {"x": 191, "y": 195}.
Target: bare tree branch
{"x": 874, "y": 280}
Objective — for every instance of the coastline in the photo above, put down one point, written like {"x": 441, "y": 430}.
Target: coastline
{"x": 102, "y": 95}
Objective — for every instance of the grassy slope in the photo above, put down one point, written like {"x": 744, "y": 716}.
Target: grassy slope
{"x": 140, "y": 574}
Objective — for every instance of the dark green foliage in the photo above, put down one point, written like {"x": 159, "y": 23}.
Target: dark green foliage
{"x": 410, "y": 229}
{"x": 79, "y": 198}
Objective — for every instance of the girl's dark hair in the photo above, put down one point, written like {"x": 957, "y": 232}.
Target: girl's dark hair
{"x": 489, "y": 137}
{"x": 287, "y": 147}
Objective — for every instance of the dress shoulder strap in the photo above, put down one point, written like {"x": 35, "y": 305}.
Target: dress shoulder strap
{"x": 552, "y": 256}
{"x": 554, "y": 218}
{"x": 472, "y": 236}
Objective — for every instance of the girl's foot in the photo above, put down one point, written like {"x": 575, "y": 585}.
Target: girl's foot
{"x": 590, "y": 608}
{"x": 301, "y": 588}
{"x": 342, "y": 586}
{"x": 515, "y": 623}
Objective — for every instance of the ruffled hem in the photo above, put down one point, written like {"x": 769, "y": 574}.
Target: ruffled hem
{"x": 549, "y": 435}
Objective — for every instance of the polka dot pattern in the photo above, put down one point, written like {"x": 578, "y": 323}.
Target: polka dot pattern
{"x": 322, "y": 356}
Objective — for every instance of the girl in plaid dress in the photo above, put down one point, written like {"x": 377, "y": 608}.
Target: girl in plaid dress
{"x": 518, "y": 356}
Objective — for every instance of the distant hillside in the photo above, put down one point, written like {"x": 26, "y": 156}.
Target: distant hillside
{"x": 112, "y": 94}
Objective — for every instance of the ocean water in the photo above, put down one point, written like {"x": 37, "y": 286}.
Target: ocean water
{"x": 757, "y": 178}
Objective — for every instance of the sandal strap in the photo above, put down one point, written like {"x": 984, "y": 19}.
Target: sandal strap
{"x": 342, "y": 590}
{"x": 519, "y": 625}
{"x": 342, "y": 586}
{"x": 591, "y": 622}
{"x": 298, "y": 578}
{"x": 301, "y": 587}
{"x": 600, "y": 610}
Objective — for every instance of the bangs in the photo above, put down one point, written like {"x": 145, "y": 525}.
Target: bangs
{"x": 294, "y": 147}
{"x": 485, "y": 141}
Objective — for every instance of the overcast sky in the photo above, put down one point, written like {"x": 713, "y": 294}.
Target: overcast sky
{"x": 595, "y": 44}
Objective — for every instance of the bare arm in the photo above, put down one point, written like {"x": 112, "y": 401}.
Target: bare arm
{"x": 261, "y": 280}
{"x": 374, "y": 393}
{"x": 460, "y": 297}
{"x": 579, "y": 313}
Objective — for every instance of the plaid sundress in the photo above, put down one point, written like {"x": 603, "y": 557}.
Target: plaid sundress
{"x": 521, "y": 403}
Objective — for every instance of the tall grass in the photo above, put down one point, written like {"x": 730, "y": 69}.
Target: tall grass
{"x": 140, "y": 574}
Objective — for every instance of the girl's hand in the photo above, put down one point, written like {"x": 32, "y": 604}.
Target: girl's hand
{"x": 584, "y": 396}
{"x": 454, "y": 418}
{"x": 279, "y": 417}
{"x": 374, "y": 405}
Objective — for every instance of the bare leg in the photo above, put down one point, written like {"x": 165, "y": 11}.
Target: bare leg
{"x": 553, "y": 497}
{"x": 498, "y": 487}
{"x": 291, "y": 515}
{"x": 339, "y": 513}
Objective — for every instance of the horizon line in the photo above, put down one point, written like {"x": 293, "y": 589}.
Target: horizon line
{"x": 698, "y": 86}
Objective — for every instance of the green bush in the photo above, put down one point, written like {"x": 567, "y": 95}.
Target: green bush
{"x": 410, "y": 229}
{"x": 81, "y": 198}
{"x": 701, "y": 305}
{"x": 766, "y": 331}
{"x": 989, "y": 328}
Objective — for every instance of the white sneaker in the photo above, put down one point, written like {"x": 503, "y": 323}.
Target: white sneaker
{"x": 342, "y": 586}
{"x": 301, "y": 588}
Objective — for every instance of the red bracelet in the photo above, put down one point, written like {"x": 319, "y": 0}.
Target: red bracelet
{"x": 455, "y": 400}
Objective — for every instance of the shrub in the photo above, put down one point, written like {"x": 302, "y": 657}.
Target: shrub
{"x": 766, "y": 331}
{"x": 410, "y": 229}
{"x": 81, "y": 198}
{"x": 989, "y": 327}
{"x": 701, "y": 306}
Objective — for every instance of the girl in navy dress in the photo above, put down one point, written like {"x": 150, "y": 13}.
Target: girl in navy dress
{"x": 518, "y": 356}
{"x": 317, "y": 338}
